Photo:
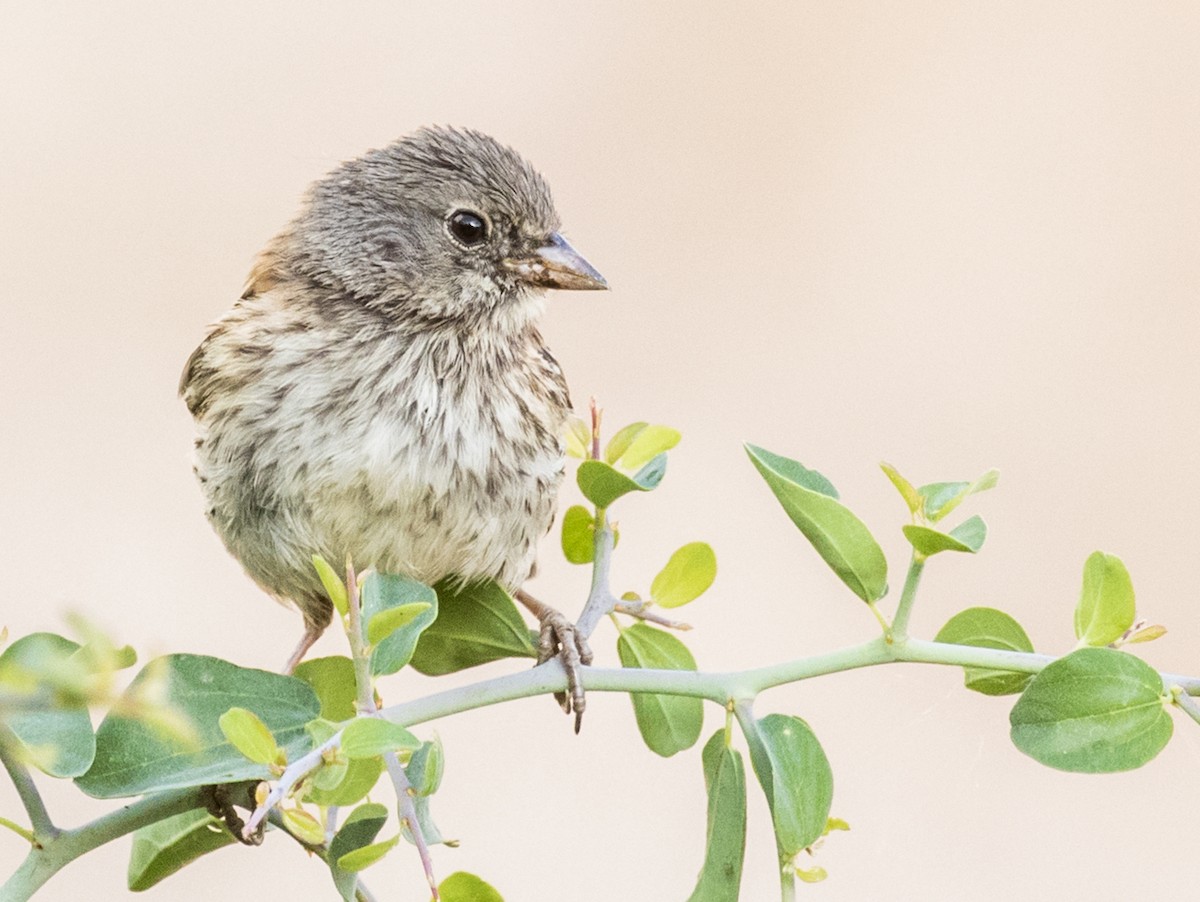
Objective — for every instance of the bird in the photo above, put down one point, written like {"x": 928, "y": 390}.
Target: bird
{"x": 381, "y": 391}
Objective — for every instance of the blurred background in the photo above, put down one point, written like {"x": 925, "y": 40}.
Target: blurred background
{"x": 948, "y": 235}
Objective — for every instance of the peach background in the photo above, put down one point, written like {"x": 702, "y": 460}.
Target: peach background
{"x": 950, "y": 235}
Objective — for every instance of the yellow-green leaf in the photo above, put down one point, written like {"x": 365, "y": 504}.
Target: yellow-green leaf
{"x": 687, "y": 575}
{"x": 250, "y": 736}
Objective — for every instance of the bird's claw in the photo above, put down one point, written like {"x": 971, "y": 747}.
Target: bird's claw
{"x": 559, "y": 639}
{"x": 219, "y": 800}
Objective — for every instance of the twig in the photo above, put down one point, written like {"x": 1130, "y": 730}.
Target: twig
{"x": 408, "y": 814}
{"x": 639, "y": 610}
{"x": 27, "y": 791}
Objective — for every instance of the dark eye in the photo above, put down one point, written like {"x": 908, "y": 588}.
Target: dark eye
{"x": 469, "y": 228}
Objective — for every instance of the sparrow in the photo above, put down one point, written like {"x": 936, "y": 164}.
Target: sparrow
{"x": 381, "y": 392}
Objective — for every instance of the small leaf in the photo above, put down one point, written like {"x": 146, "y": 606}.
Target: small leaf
{"x": 164, "y": 847}
{"x": 966, "y": 537}
{"x": 842, "y": 540}
{"x": 334, "y": 587}
{"x": 332, "y": 678}
{"x": 250, "y": 736}
{"x": 687, "y": 576}
{"x": 367, "y": 737}
{"x": 620, "y": 442}
{"x": 601, "y": 484}
{"x": 811, "y": 875}
{"x": 463, "y": 887}
{"x": 388, "y": 621}
{"x": 476, "y": 624}
{"x": 381, "y": 592}
{"x": 988, "y": 628}
{"x": 303, "y": 826}
{"x": 1094, "y": 711}
{"x": 134, "y": 757}
{"x": 646, "y": 445}
{"x": 906, "y": 489}
{"x": 578, "y": 438}
{"x": 426, "y": 767}
{"x": 358, "y": 831}
{"x": 725, "y": 846}
{"x": 58, "y": 740}
{"x": 579, "y": 535}
{"x": 367, "y": 855}
{"x": 1148, "y": 634}
{"x": 668, "y": 723}
{"x": 943, "y": 497}
{"x": 358, "y": 779}
{"x": 1106, "y": 603}
{"x": 795, "y": 776}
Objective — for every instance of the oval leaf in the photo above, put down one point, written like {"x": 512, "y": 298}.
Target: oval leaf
{"x": 134, "y": 757}
{"x": 1095, "y": 711}
{"x": 620, "y": 442}
{"x": 578, "y": 535}
{"x": 687, "y": 576}
{"x": 476, "y": 623}
{"x": 367, "y": 855}
{"x": 668, "y": 723}
{"x": 358, "y": 779}
{"x": 646, "y": 445}
{"x": 578, "y": 438}
{"x": 367, "y": 737}
{"x": 332, "y": 678}
{"x": 906, "y": 489}
{"x": 388, "y": 621}
{"x": 988, "y": 628}
{"x": 463, "y": 887}
{"x": 334, "y": 587}
{"x": 966, "y": 537}
{"x": 359, "y": 831}
{"x": 426, "y": 767}
{"x": 1106, "y": 603}
{"x": 795, "y": 776}
{"x": 250, "y": 736}
{"x": 841, "y": 539}
{"x": 303, "y": 826}
{"x": 601, "y": 484}
{"x": 384, "y": 591}
{"x": 725, "y": 845}
{"x": 164, "y": 847}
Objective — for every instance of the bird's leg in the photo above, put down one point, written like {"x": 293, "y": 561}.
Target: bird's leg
{"x": 219, "y": 801}
{"x": 318, "y": 613}
{"x": 559, "y": 638}
{"x": 311, "y": 635}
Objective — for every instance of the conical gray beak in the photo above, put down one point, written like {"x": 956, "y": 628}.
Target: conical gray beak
{"x": 558, "y": 265}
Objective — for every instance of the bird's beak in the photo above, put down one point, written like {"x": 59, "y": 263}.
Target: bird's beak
{"x": 557, "y": 265}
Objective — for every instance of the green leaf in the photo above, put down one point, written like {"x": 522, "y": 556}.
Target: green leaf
{"x": 645, "y": 446}
{"x": 687, "y": 576}
{"x": 1095, "y": 711}
{"x": 476, "y": 623}
{"x": 367, "y": 855}
{"x": 620, "y": 442}
{"x": 384, "y": 591}
{"x": 725, "y": 844}
{"x": 906, "y": 489}
{"x": 250, "y": 736}
{"x": 601, "y": 484}
{"x": 334, "y": 587}
{"x": 133, "y": 757}
{"x": 164, "y": 847}
{"x": 463, "y": 887}
{"x": 795, "y": 776}
{"x": 367, "y": 737}
{"x": 668, "y": 723}
{"x": 841, "y": 539}
{"x": 1106, "y": 603}
{"x": 389, "y": 620}
{"x": 940, "y": 498}
{"x": 425, "y": 768}
{"x": 303, "y": 826}
{"x": 988, "y": 628}
{"x": 57, "y": 740}
{"x": 577, "y": 438}
{"x": 578, "y": 535}
{"x": 358, "y": 779}
{"x": 967, "y": 536}
{"x": 358, "y": 831}
{"x": 332, "y": 678}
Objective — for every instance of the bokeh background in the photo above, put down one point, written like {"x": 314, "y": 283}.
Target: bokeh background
{"x": 949, "y": 235}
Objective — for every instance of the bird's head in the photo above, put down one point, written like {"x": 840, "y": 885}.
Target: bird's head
{"x": 443, "y": 227}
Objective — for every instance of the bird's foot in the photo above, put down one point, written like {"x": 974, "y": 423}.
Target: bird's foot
{"x": 560, "y": 639}
{"x": 219, "y": 800}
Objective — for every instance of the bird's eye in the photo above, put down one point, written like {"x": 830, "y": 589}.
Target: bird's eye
{"x": 468, "y": 228}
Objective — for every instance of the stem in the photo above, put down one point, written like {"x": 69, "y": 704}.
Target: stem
{"x": 1184, "y": 701}
{"x": 27, "y": 791}
{"x": 408, "y": 815}
{"x": 358, "y": 644}
{"x": 907, "y": 597}
{"x": 600, "y": 599}
{"x": 787, "y": 884}
{"x": 42, "y": 864}
{"x": 639, "y": 611}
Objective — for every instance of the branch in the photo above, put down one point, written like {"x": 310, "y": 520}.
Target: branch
{"x": 27, "y": 791}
